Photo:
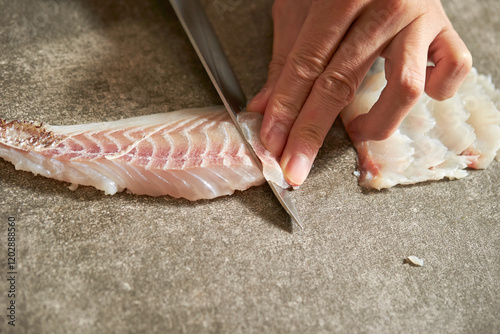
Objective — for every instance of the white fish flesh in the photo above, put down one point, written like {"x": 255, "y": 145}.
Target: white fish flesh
{"x": 436, "y": 139}
{"x": 414, "y": 261}
{"x": 194, "y": 153}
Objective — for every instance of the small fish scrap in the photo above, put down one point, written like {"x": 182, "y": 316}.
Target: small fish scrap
{"x": 414, "y": 261}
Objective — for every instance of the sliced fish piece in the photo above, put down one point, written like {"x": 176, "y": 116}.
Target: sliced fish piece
{"x": 195, "y": 153}
{"x": 437, "y": 139}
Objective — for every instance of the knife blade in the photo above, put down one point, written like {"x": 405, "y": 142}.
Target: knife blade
{"x": 202, "y": 36}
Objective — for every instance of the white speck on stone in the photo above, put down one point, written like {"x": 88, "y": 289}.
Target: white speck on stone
{"x": 415, "y": 261}
{"x": 126, "y": 286}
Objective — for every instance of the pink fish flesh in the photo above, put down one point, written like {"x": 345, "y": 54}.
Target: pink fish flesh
{"x": 195, "y": 153}
{"x": 436, "y": 139}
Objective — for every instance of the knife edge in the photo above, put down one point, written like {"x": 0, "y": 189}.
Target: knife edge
{"x": 202, "y": 36}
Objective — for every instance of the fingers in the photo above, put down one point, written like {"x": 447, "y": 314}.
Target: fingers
{"x": 331, "y": 92}
{"x": 408, "y": 76}
{"x": 315, "y": 45}
{"x": 288, "y": 21}
{"x": 336, "y": 86}
{"x": 317, "y": 67}
{"x": 453, "y": 62}
{"x": 405, "y": 68}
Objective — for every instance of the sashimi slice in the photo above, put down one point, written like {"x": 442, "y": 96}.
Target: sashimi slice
{"x": 194, "y": 153}
{"x": 437, "y": 139}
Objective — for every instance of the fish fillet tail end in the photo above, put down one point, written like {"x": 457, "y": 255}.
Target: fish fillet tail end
{"x": 27, "y": 135}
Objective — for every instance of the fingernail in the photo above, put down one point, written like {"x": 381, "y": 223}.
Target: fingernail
{"x": 297, "y": 169}
{"x": 275, "y": 139}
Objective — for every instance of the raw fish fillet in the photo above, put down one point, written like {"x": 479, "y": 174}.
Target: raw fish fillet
{"x": 195, "y": 153}
{"x": 436, "y": 139}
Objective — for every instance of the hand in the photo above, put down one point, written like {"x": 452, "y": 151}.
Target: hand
{"x": 323, "y": 49}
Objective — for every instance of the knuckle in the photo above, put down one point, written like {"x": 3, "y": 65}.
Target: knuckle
{"x": 394, "y": 6}
{"x": 462, "y": 63}
{"x": 333, "y": 86}
{"x": 410, "y": 87}
{"x": 276, "y": 64}
{"x": 387, "y": 12}
{"x": 311, "y": 136}
{"x": 278, "y": 60}
{"x": 306, "y": 66}
{"x": 284, "y": 109}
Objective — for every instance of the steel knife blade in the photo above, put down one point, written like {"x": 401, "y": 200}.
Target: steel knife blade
{"x": 202, "y": 36}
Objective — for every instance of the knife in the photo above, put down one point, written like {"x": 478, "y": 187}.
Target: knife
{"x": 207, "y": 46}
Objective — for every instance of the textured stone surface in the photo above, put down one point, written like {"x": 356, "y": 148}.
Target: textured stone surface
{"x": 90, "y": 263}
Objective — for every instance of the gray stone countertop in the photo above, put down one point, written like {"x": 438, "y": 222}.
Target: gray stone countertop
{"x": 91, "y": 263}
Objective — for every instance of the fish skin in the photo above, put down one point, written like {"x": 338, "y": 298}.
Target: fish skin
{"x": 436, "y": 140}
{"x": 194, "y": 153}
